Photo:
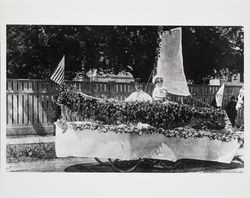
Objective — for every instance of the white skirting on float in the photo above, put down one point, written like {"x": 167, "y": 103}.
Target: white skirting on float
{"x": 89, "y": 143}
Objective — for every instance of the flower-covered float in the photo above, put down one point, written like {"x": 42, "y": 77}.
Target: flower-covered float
{"x": 135, "y": 131}
{"x": 141, "y": 130}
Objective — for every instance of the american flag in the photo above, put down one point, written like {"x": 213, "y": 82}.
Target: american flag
{"x": 58, "y": 75}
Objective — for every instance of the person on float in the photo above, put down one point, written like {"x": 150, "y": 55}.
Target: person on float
{"x": 139, "y": 94}
{"x": 160, "y": 92}
{"x": 231, "y": 110}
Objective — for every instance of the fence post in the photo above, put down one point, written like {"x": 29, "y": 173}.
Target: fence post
{"x": 111, "y": 88}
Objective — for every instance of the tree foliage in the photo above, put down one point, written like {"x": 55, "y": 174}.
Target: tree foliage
{"x": 33, "y": 51}
{"x": 210, "y": 49}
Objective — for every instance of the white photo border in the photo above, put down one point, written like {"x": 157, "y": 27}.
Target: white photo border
{"x": 111, "y": 12}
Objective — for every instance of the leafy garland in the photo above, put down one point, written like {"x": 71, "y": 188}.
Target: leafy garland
{"x": 179, "y": 132}
{"x": 156, "y": 114}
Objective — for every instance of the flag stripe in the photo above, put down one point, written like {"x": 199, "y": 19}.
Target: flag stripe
{"x": 56, "y": 71}
{"x": 60, "y": 80}
{"x": 57, "y": 78}
{"x": 58, "y": 75}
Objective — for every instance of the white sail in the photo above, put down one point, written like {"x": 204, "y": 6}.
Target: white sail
{"x": 170, "y": 63}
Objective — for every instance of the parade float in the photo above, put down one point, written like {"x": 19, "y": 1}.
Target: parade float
{"x": 134, "y": 131}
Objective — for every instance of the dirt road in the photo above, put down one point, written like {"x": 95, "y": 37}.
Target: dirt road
{"x": 90, "y": 165}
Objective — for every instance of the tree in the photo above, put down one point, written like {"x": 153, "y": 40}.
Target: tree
{"x": 206, "y": 49}
{"x": 33, "y": 51}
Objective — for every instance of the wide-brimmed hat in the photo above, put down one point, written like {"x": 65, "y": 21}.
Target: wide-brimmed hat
{"x": 155, "y": 78}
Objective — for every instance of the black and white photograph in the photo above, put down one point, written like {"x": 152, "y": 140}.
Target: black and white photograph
{"x": 165, "y": 99}
{"x": 124, "y": 98}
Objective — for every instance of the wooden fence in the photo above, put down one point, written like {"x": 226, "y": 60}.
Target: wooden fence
{"x": 30, "y": 109}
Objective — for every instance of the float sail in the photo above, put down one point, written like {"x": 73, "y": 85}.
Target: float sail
{"x": 170, "y": 63}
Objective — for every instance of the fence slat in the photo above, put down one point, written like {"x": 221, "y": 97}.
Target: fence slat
{"x": 49, "y": 115}
{"x": 9, "y": 109}
{"x": 30, "y": 106}
{"x": 14, "y": 109}
{"x": 9, "y": 86}
{"x": 36, "y": 109}
{"x": 40, "y": 110}
{"x": 44, "y": 110}
{"x": 15, "y": 85}
{"x": 20, "y": 109}
{"x": 25, "y": 109}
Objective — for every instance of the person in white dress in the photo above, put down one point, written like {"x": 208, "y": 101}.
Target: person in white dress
{"x": 139, "y": 94}
{"x": 160, "y": 92}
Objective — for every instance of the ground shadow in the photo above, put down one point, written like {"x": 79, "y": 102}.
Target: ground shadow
{"x": 181, "y": 166}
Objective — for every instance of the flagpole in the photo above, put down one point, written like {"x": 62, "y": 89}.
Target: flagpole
{"x": 157, "y": 54}
{"x": 149, "y": 79}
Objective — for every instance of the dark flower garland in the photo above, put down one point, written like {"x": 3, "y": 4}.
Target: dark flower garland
{"x": 157, "y": 114}
{"x": 179, "y": 132}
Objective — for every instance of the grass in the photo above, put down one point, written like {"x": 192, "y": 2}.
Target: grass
{"x": 30, "y": 152}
